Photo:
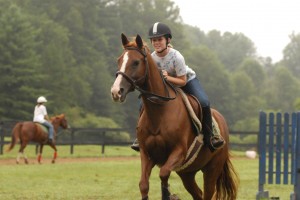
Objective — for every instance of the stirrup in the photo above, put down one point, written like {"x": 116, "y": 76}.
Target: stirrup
{"x": 219, "y": 144}
{"x": 50, "y": 141}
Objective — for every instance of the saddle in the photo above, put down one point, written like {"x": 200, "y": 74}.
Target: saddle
{"x": 44, "y": 128}
{"x": 196, "y": 114}
{"x": 196, "y": 106}
{"x": 194, "y": 109}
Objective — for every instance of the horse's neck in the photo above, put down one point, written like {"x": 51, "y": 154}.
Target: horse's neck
{"x": 155, "y": 83}
{"x": 55, "y": 124}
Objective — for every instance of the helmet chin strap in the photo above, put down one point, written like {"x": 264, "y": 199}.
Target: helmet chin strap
{"x": 164, "y": 48}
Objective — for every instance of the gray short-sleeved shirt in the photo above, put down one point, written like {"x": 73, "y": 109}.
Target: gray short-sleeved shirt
{"x": 174, "y": 64}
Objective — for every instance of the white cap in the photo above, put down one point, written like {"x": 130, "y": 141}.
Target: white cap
{"x": 41, "y": 99}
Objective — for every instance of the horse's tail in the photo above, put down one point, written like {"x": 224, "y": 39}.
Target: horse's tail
{"x": 15, "y": 135}
{"x": 227, "y": 183}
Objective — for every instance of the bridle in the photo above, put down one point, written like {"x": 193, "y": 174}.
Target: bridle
{"x": 134, "y": 83}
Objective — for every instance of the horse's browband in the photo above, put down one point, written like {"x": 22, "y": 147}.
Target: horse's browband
{"x": 137, "y": 49}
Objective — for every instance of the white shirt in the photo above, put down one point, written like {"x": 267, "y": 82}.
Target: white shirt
{"x": 174, "y": 64}
{"x": 40, "y": 112}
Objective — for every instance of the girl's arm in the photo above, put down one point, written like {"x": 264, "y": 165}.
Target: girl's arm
{"x": 179, "y": 80}
{"x": 47, "y": 117}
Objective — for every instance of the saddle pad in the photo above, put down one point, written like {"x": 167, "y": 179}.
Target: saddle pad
{"x": 215, "y": 126}
{"x": 195, "y": 148}
{"x": 192, "y": 153}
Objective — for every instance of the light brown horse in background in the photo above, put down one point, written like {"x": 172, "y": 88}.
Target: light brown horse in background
{"x": 30, "y": 131}
{"x": 165, "y": 131}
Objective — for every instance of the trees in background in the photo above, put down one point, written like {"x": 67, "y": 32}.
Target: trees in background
{"x": 19, "y": 62}
{"x": 291, "y": 54}
{"x": 67, "y": 51}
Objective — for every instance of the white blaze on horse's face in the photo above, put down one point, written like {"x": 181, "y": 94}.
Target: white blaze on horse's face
{"x": 125, "y": 60}
{"x": 120, "y": 87}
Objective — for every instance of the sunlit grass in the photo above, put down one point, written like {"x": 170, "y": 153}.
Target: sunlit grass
{"x": 106, "y": 179}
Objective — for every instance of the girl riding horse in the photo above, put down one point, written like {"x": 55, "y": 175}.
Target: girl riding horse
{"x": 166, "y": 133}
{"x": 174, "y": 70}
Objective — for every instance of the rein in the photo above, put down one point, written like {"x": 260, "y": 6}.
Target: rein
{"x": 134, "y": 83}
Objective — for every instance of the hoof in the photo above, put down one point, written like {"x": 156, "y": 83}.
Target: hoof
{"x": 53, "y": 161}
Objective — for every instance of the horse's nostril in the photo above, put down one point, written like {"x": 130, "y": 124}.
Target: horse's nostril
{"x": 121, "y": 91}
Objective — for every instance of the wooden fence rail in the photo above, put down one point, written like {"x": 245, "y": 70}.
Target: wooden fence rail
{"x": 100, "y": 136}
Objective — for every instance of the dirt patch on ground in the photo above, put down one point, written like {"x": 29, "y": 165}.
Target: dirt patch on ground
{"x": 10, "y": 161}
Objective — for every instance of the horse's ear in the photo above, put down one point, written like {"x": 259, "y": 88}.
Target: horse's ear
{"x": 124, "y": 39}
{"x": 139, "y": 41}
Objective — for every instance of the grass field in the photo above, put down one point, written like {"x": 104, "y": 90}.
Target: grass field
{"x": 89, "y": 175}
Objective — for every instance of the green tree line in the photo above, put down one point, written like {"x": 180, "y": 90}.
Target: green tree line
{"x": 66, "y": 50}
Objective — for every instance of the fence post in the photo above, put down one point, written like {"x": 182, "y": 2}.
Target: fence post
{"x": 103, "y": 148}
{"x": 1, "y": 138}
{"x": 72, "y": 143}
{"x": 262, "y": 156}
{"x": 36, "y": 149}
{"x": 296, "y": 194}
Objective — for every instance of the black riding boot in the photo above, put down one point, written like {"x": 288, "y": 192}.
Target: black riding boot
{"x": 135, "y": 146}
{"x": 214, "y": 141}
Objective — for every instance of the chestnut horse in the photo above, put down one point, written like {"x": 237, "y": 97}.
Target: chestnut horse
{"x": 165, "y": 131}
{"x": 30, "y": 131}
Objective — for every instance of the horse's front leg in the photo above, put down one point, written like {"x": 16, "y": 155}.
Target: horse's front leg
{"x": 173, "y": 161}
{"x": 147, "y": 166}
{"x": 40, "y": 153}
{"x": 52, "y": 145}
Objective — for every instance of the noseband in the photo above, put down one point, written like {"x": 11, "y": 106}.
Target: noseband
{"x": 134, "y": 83}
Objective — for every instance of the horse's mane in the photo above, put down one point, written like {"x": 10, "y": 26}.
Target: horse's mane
{"x": 59, "y": 116}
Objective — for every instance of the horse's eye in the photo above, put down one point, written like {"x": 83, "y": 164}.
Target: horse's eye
{"x": 135, "y": 63}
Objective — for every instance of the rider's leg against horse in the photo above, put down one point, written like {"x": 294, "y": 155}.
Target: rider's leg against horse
{"x": 195, "y": 88}
{"x": 214, "y": 141}
{"x": 51, "y": 130}
{"x": 135, "y": 146}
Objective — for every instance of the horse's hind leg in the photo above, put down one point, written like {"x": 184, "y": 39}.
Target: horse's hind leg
{"x": 22, "y": 154}
{"x": 189, "y": 182}
{"x": 210, "y": 181}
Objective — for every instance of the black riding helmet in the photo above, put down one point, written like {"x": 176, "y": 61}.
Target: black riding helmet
{"x": 159, "y": 29}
